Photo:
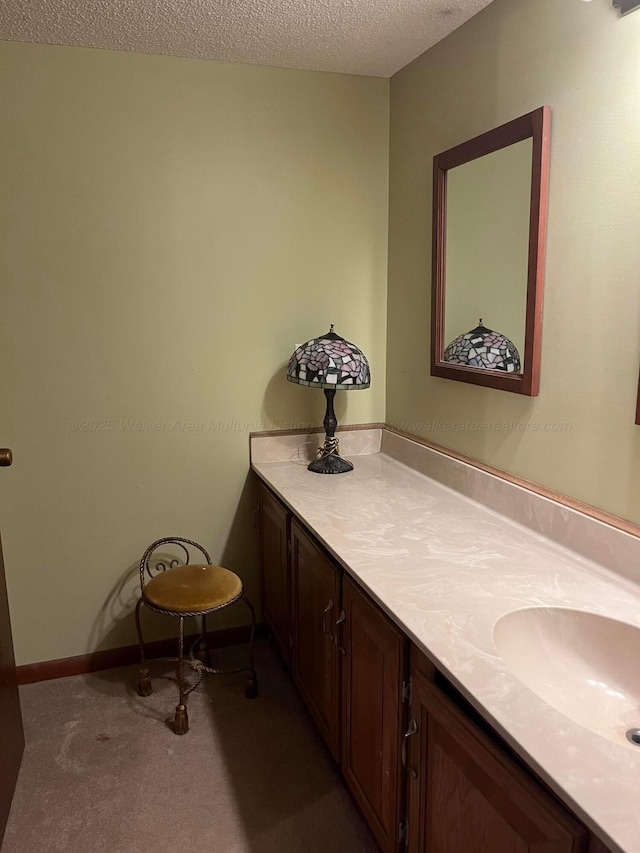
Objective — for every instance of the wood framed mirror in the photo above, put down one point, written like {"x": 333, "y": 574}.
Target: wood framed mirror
{"x": 489, "y": 230}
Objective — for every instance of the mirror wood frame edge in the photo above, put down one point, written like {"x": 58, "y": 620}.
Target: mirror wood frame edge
{"x": 537, "y": 126}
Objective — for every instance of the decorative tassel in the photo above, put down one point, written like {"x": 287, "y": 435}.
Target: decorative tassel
{"x": 144, "y": 683}
{"x": 181, "y": 722}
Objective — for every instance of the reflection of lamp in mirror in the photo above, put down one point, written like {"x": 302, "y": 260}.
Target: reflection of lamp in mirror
{"x": 484, "y": 348}
{"x": 331, "y": 363}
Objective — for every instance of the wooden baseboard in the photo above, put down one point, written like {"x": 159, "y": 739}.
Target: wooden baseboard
{"x": 110, "y": 658}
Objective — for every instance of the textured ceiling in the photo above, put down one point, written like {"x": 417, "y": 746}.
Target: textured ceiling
{"x": 375, "y": 37}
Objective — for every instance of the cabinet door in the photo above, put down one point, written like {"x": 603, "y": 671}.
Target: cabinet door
{"x": 373, "y": 669}
{"x": 469, "y": 796}
{"x": 276, "y": 585}
{"x": 315, "y": 592}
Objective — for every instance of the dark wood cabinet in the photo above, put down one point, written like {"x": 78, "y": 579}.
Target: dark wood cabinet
{"x": 347, "y": 659}
{"x": 373, "y": 670}
{"x": 276, "y": 581}
{"x": 466, "y": 795}
{"x": 315, "y": 605}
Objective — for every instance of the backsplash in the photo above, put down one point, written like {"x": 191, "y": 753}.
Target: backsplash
{"x": 596, "y": 540}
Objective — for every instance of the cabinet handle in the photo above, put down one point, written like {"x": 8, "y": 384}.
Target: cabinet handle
{"x": 339, "y": 622}
{"x": 412, "y": 730}
{"x": 325, "y": 613}
{"x": 256, "y": 519}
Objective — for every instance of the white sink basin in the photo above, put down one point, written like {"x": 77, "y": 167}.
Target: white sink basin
{"x": 586, "y": 666}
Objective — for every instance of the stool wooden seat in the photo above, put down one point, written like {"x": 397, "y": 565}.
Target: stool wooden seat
{"x": 172, "y": 587}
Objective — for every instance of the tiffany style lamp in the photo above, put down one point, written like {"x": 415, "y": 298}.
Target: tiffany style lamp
{"x": 482, "y": 347}
{"x": 331, "y": 363}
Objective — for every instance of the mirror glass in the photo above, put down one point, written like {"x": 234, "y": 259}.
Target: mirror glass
{"x": 487, "y": 246}
{"x": 489, "y": 226}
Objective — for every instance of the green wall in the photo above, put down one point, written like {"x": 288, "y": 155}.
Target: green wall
{"x": 170, "y": 229}
{"x": 578, "y": 436}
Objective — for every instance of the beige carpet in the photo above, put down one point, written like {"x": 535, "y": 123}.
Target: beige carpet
{"x": 104, "y": 773}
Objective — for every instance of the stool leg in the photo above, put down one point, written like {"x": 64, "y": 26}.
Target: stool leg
{"x": 204, "y": 652}
{"x": 144, "y": 682}
{"x": 251, "y": 680}
{"x": 181, "y": 721}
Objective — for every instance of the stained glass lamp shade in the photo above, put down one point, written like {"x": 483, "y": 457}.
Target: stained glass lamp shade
{"x": 333, "y": 364}
{"x": 482, "y": 347}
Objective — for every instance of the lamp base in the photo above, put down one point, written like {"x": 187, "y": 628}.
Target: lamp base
{"x": 330, "y": 462}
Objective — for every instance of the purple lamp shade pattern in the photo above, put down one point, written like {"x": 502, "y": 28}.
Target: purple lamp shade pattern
{"x": 484, "y": 348}
{"x": 329, "y": 362}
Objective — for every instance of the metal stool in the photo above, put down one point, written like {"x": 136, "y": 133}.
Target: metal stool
{"x": 182, "y": 589}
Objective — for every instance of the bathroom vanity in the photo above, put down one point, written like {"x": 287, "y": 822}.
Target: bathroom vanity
{"x": 399, "y": 596}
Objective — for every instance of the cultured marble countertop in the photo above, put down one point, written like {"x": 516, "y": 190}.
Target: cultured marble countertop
{"x": 445, "y": 567}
